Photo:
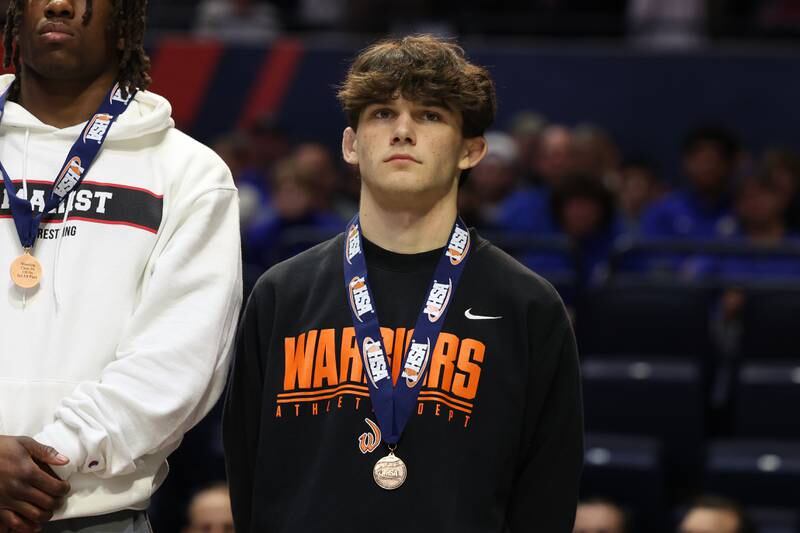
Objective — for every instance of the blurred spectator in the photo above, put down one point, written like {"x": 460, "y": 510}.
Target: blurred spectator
{"x": 639, "y": 187}
{"x": 760, "y": 221}
{"x": 528, "y": 210}
{"x": 526, "y": 129}
{"x": 703, "y": 209}
{"x": 714, "y": 514}
{"x": 315, "y": 161}
{"x": 269, "y": 143}
{"x": 584, "y": 212}
{"x": 235, "y": 150}
{"x": 243, "y": 21}
{"x": 760, "y": 210}
{"x": 490, "y": 182}
{"x": 600, "y": 516}
{"x": 555, "y": 157}
{"x": 673, "y": 24}
{"x": 210, "y": 511}
{"x": 296, "y": 205}
{"x": 596, "y": 154}
{"x": 783, "y": 167}
{"x": 321, "y": 14}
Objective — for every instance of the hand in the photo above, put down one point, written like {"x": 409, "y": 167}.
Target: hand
{"x": 29, "y": 491}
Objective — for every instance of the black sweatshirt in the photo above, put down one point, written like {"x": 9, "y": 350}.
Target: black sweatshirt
{"x": 494, "y": 446}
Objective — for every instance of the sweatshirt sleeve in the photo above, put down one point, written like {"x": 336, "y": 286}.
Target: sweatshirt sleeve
{"x": 545, "y": 492}
{"x": 171, "y": 362}
{"x": 241, "y": 423}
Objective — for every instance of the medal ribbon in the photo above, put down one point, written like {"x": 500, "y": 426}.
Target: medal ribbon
{"x": 394, "y": 405}
{"x": 79, "y": 160}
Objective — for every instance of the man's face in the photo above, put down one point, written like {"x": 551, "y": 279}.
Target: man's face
{"x": 758, "y": 206}
{"x": 709, "y": 521}
{"x": 408, "y": 151}
{"x": 555, "y": 155}
{"x": 707, "y": 167}
{"x": 597, "y": 518}
{"x": 55, "y": 44}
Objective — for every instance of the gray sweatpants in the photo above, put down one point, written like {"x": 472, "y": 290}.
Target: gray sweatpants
{"x": 120, "y": 522}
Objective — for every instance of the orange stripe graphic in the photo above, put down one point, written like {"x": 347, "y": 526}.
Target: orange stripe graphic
{"x": 360, "y": 390}
{"x": 325, "y": 397}
{"x": 438, "y": 394}
{"x": 441, "y": 400}
{"x": 358, "y": 387}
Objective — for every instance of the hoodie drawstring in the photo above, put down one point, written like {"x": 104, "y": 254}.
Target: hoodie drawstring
{"x": 25, "y": 189}
{"x": 67, "y": 206}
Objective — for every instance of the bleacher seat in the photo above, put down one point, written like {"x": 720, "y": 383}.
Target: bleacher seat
{"x": 766, "y": 397}
{"x": 661, "y": 398}
{"x": 627, "y": 470}
{"x": 772, "y": 520}
{"x": 770, "y": 322}
{"x": 756, "y": 472}
{"x": 665, "y": 319}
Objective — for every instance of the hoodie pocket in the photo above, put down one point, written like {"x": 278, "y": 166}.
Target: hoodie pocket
{"x": 27, "y": 406}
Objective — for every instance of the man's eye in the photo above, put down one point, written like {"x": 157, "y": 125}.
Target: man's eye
{"x": 431, "y": 116}
{"x": 382, "y": 113}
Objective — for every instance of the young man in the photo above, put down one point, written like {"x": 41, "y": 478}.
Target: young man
{"x": 482, "y": 428}
{"x": 124, "y": 265}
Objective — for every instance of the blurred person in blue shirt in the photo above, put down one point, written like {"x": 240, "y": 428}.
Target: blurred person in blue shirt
{"x": 703, "y": 208}
{"x": 584, "y": 212}
{"x": 783, "y": 166}
{"x": 482, "y": 193}
{"x": 269, "y": 143}
{"x": 594, "y": 152}
{"x": 639, "y": 187}
{"x": 528, "y": 210}
{"x": 298, "y": 205}
{"x": 760, "y": 212}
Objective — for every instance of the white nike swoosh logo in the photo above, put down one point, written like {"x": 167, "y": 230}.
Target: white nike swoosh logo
{"x": 468, "y": 314}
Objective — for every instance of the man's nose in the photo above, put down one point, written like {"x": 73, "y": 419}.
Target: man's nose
{"x": 404, "y": 130}
{"x": 59, "y": 9}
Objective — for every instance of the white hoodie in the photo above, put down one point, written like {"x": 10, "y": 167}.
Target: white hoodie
{"x": 124, "y": 345}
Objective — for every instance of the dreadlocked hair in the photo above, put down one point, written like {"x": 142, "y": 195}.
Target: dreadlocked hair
{"x": 128, "y": 20}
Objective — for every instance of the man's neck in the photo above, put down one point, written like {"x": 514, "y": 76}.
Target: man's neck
{"x": 407, "y": 230}
{"x": 61, "y": 103}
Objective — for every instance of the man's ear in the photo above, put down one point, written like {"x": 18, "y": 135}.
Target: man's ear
{"x": 349, "y": 146}
{"x": 473, "y": 150}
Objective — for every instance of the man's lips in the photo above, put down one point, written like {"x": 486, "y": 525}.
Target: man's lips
{"x": 400, "y": 157}
{"x": 56, "y": 32}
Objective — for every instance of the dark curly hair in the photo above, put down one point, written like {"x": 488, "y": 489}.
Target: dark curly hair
{"x": 421, "y": 68}
{"x": 128, "y": 18}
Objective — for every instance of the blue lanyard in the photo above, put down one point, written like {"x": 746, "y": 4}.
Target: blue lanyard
{"x": 80, "y": 158}
{"x": 394, "y": 405}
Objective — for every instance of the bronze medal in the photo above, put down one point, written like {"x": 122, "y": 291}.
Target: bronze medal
{"x": 26, "y": 271}
{"x": 390, "y": 472}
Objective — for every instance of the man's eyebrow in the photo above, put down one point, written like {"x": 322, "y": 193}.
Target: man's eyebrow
{"x": 434, "y": 103}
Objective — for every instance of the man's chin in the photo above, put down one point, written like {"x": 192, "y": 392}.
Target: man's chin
{"x": 56, "y": 65}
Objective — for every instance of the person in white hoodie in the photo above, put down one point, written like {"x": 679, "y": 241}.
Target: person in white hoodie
{"x": 125, "y": 281}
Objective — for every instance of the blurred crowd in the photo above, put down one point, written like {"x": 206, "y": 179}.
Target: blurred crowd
{"x": 209, "y": 511}
{"x": 707, "y": 514}
{"x": 678, "y": 23}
